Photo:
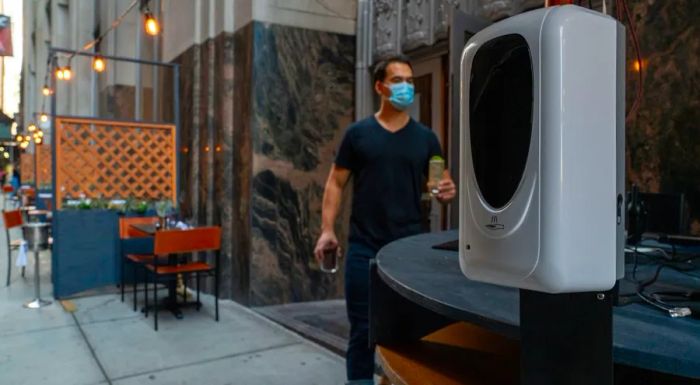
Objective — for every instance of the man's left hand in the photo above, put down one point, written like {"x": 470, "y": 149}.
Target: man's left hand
{"x": 447, "y": 189}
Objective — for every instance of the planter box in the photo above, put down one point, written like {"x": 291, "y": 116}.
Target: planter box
{"x": 84, "y": 251}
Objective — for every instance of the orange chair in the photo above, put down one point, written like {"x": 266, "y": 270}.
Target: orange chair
{"x": 12, "y": 219}
{"x": 28, "y": 194}
{"x": 127, "y": 232}
{"x": 172, "y": 242}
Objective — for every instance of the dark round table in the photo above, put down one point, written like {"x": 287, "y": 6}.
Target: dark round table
{"x": 643, "y": 337}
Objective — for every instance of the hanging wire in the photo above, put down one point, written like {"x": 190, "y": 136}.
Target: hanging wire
{"x": 112, "y": 26}
{"x": 98, "y": 39}
{"x": 87, "y": 46}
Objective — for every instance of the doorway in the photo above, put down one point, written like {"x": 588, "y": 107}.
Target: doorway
{"x": 429, "y": 108}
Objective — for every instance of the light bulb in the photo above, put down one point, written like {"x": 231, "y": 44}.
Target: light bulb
{"x": 31, "y": 128}
{"x": 44, "y": 118}
{"x": 67, "y": 73}
{"x": 41, "y": 134}
{"x": 98, "y": 64}
{"x": 59, "y": 73}
{"x": 151, "y": 24}
{"x": 46, "y": 90}
{"x": 19, "y": 138}
{"x": 6, "y": 155}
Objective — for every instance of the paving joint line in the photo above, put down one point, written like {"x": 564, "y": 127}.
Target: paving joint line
{"x": 92, "y": 350}
{"x": 38, "y": 330}
{"x": 195, "y": 363}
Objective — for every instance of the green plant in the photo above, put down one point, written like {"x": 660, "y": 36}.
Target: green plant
{"x": 141, "y": 207}
{"x": 164, "y": 207}
{"x": 70, "y": 204}
{"x": 84, "y": 204}
{"x": 99, "y": 203}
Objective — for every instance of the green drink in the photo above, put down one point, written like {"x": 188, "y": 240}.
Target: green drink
{"x": 436, "y": 167}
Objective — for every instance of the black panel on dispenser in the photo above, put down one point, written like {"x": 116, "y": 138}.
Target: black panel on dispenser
{"x": 500, "y": 118}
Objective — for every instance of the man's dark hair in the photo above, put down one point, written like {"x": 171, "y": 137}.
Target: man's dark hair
{"x": 380, "y": 68}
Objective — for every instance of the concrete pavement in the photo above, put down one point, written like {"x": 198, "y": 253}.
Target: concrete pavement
{"x": 104, "y": 342}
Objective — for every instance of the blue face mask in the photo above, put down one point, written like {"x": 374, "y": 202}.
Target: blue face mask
{"x": 401, "y": 95}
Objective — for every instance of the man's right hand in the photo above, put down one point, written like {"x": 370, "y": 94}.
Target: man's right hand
{"x": 326, "y": 242}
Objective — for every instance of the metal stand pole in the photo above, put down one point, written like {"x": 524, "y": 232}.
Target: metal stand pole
{"x": 566, "y": 339}
{"x": 37, "y": 302}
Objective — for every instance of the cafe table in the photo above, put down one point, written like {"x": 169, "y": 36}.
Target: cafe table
{"x": 169, "y": 303}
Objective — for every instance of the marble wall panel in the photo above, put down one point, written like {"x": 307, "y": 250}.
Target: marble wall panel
{"x": 242, "y": 163}
{"x": 302, "y": 95}
{"x": 117, "y": 102}
{"x": 222, "y": 147}
{"x": 187, "y": 138}
{"x": 263, "y": 110}
{"x": 662, "y": 138}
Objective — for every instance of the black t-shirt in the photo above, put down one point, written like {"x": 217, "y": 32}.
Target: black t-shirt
{"x": 388, "y": 170}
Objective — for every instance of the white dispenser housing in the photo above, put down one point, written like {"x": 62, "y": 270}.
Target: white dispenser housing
{"x": 542, "y": 152}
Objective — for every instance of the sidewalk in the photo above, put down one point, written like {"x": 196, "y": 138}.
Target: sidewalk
{"x": 104, "y": 342}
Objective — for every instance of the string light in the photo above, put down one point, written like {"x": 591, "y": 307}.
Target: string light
{"x": 31, "y": 127}
{"x": 43, "y": 117}
{"x": 98, "y": 63}
{"x": 151, "y": 24}
{"x": 67, "y": 73}
{"x": 19, "y": 138}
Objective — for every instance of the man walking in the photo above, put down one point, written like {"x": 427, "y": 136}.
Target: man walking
{"x": 387, "y": 155}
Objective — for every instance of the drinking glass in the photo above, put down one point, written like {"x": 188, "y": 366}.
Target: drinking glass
{"x": 163, "y": 209}
{"x": 436, "y": 168}
{"x": 329, "y": 264}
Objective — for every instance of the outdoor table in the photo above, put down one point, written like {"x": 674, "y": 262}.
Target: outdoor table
{"x": 430, "y": 284}
{"x": 170, "y": 302}
{"x": 25, "y": 212}
{"x": 39, "y": 212}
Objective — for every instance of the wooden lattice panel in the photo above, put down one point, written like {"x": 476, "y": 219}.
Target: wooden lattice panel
{"x": 27, "y": 166}
{"x": 111, "y": 159}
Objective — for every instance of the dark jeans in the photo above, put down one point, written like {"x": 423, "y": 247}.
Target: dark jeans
{"x": 360, "y": 356}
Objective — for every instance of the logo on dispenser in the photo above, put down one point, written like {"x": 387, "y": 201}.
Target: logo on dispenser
{"x": 494, "y": 225}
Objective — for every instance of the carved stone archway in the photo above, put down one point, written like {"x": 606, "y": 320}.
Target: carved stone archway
{"x": 403, "y": 25}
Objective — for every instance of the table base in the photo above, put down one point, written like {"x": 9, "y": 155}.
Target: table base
{"x": 37, "y": 304}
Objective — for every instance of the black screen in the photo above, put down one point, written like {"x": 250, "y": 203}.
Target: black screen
{"x": 500, "y": 105}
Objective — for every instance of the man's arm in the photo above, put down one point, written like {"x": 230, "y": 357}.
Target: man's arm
{"x": 332, "y": 197}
